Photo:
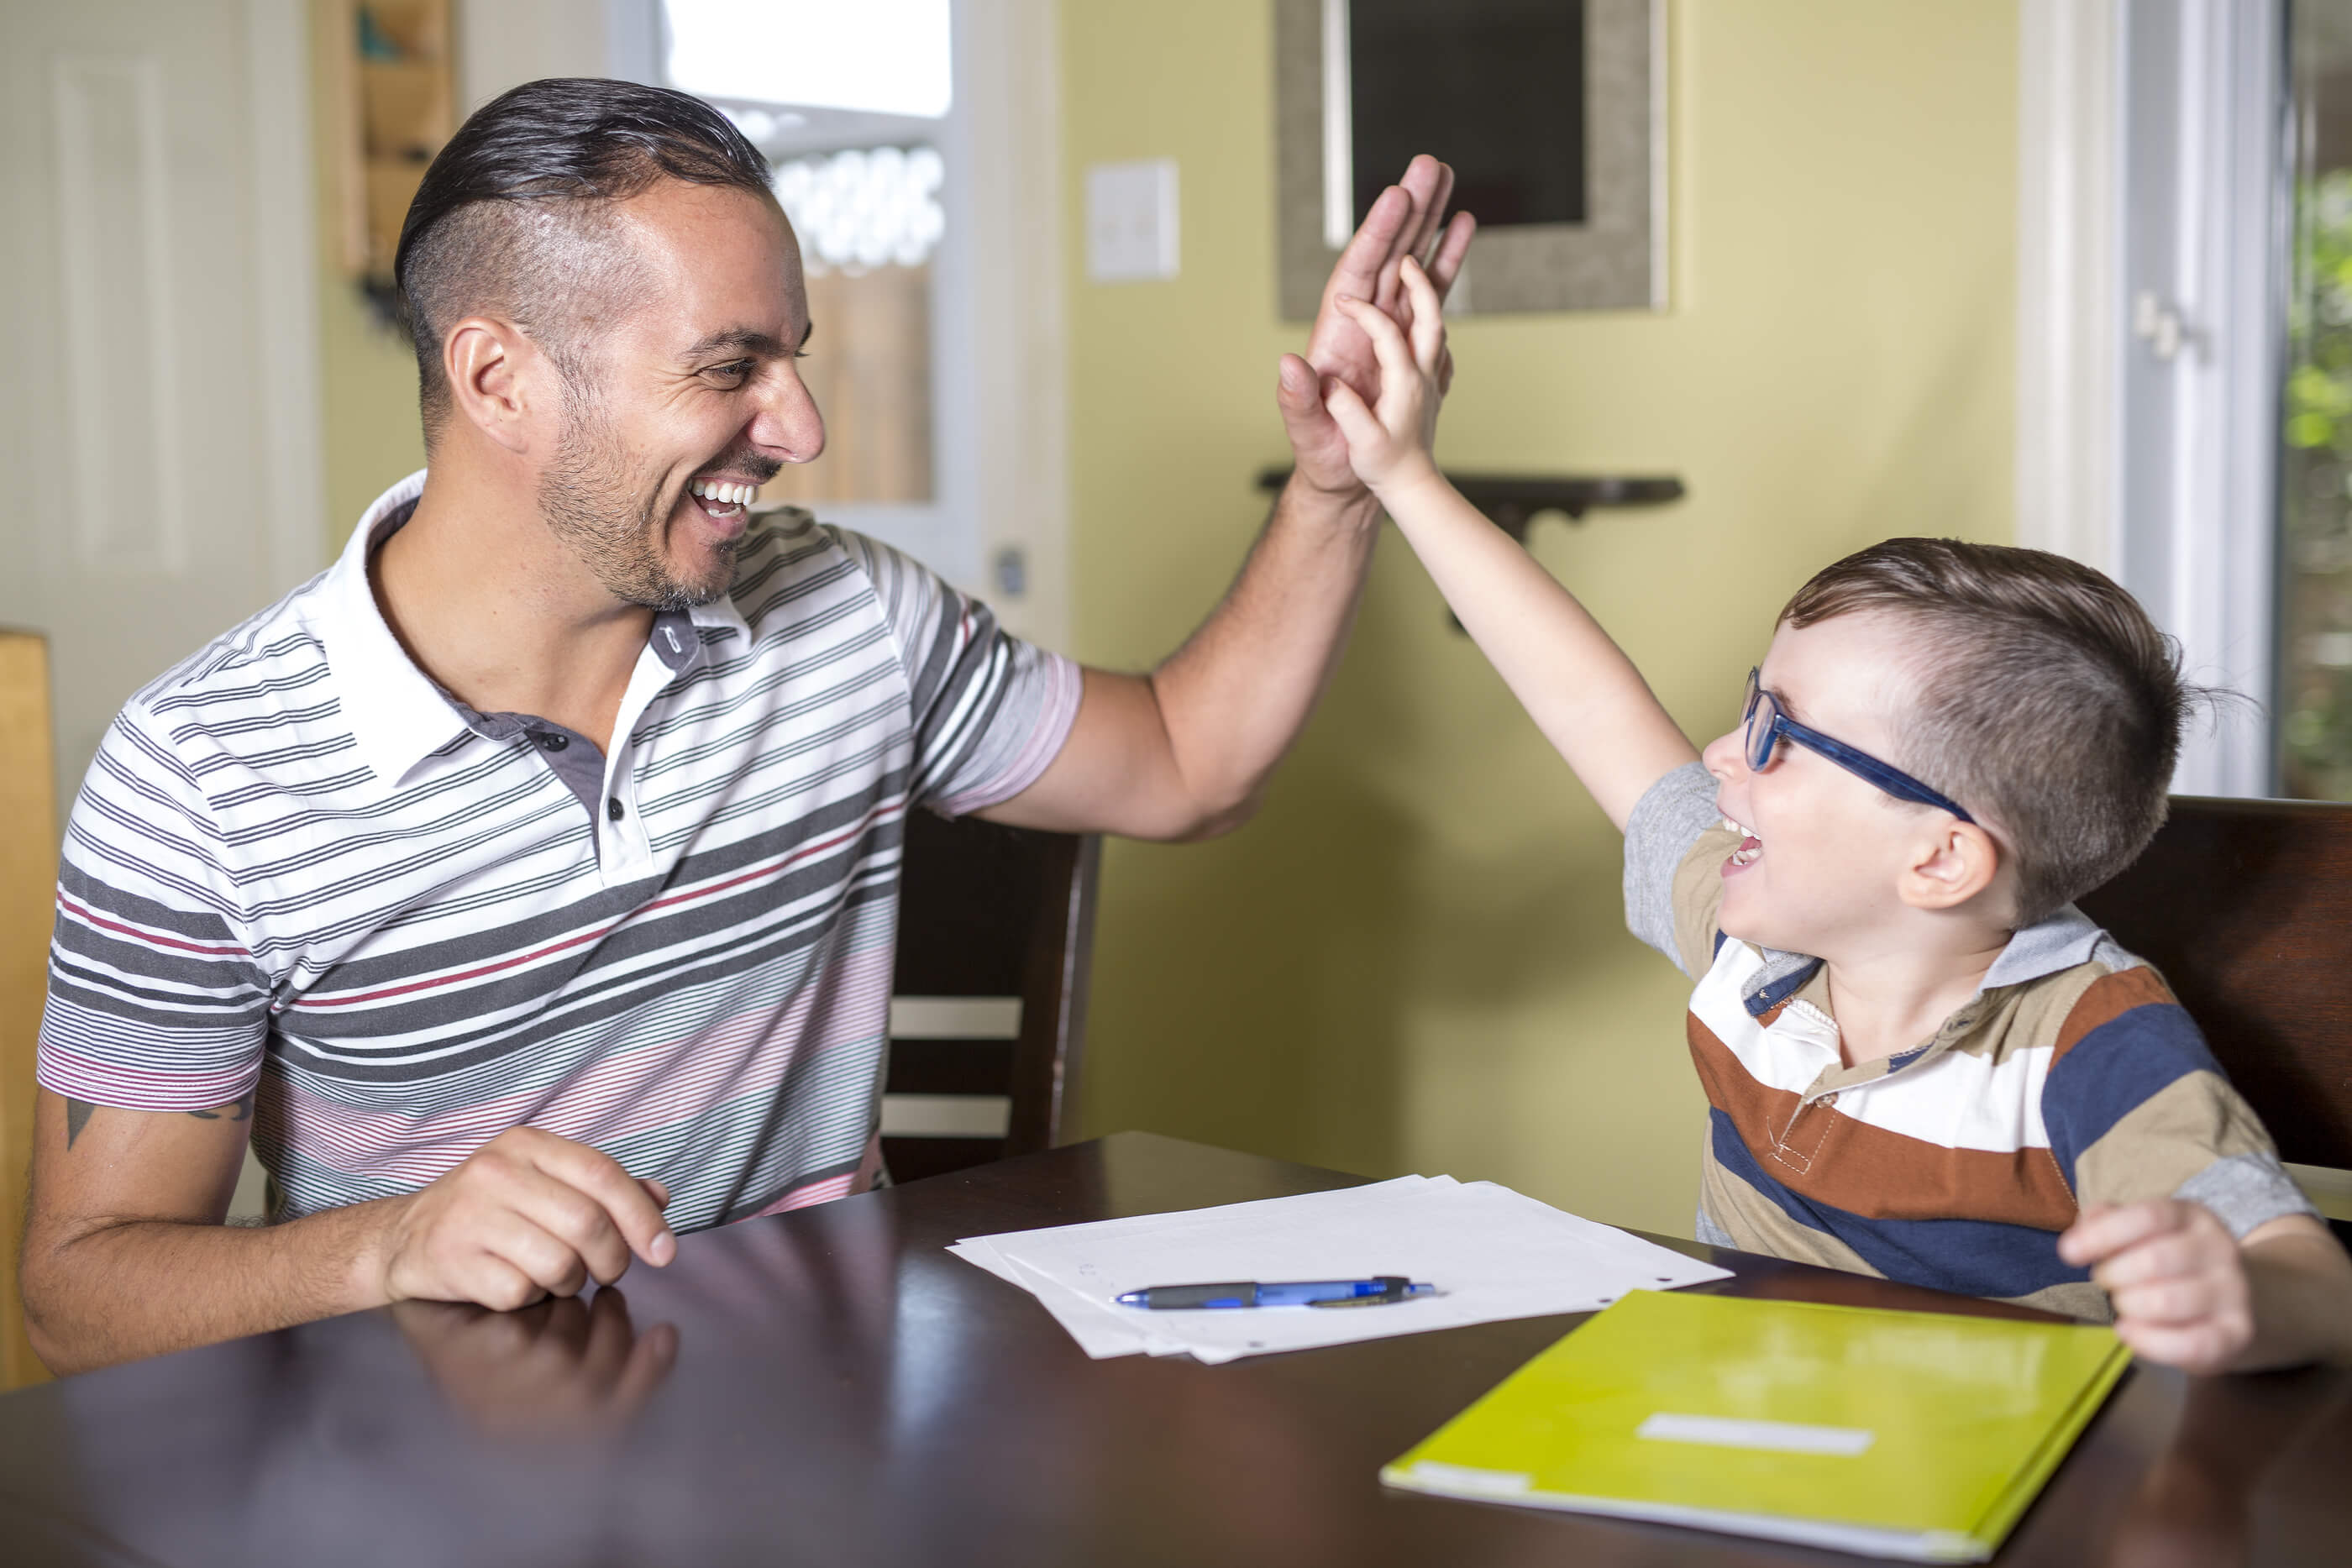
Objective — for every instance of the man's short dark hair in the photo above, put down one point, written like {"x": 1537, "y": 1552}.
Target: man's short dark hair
{"x": 2046, "y": 701}
{"x": 507, "y": 219}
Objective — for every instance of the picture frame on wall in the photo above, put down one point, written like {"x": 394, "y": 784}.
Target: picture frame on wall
{"x": 1553, "y": 113}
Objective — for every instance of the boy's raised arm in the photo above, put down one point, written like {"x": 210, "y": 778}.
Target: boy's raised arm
{"x": 1577, "y": 685}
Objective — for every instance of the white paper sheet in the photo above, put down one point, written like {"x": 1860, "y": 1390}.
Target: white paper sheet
{"x": 1493, "y": 1253}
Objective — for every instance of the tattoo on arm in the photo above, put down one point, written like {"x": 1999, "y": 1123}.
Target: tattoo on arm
{"x": 78, "y": 1111}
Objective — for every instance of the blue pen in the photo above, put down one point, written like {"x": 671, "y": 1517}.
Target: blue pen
{"x": 1372, "y": 1293}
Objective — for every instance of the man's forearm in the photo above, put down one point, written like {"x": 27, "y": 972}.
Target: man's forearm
{"x": 1236, "y": 695}
{"x": 145, "y": 1286}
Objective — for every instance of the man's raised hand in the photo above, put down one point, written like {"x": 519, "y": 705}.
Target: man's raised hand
{"x": 1407, "y": 219}
{"x": 529, "y": 1214}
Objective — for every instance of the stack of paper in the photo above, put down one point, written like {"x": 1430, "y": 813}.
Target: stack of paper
{"x": 1491, "y": 1252}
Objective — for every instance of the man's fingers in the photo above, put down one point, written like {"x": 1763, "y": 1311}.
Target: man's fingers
{"x": 1428, "y": 318}
{"x": 598, "y": 1175}
{"x": 538, "y": 1254}
{"x": 574, "y": 1218}
{"x": 1370, "y": 253}
{"x": 656, "y": 1190}
{"x": 493, "y": 1280}
{"x": 1446, "y": 265}
{"x": 1295, "y": 384}
{"x": 1431, "y": 184}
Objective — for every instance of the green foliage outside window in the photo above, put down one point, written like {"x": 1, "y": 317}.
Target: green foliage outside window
{"x": 2316, "y": 498}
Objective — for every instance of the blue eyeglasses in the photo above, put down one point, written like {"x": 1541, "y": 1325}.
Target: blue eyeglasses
{"x": 1764, "y": 724}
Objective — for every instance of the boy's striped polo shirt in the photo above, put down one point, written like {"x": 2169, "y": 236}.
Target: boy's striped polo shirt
{"x": 297, "y": 869}
{"x": 2073, "y": 1078}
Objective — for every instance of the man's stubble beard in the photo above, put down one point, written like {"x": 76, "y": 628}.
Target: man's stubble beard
{"x": 587, "y": 497}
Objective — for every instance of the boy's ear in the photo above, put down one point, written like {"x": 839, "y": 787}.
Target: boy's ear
{"x": 1950, "y": 867}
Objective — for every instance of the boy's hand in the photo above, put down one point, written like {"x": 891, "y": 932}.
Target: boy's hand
{"x": 1389, "y": 442}
{"x": 2177, "y": 1277}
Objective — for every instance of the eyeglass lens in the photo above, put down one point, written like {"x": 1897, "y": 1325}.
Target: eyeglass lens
{"x": 1758, "y": 731}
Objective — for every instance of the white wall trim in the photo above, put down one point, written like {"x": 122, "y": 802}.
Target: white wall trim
{"x": 1010, "y": 70}
{"x": 286, "y": 302}
{"x": 2226, "y": 525}
{"x": 2069, "y": 309}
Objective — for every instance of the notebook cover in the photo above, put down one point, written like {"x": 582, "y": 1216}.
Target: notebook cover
{"x": 1919, "y": 1435}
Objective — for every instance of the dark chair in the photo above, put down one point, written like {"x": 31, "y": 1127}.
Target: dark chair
{"x": 2245, "y": 907}
{"x": 988, "y": 1006}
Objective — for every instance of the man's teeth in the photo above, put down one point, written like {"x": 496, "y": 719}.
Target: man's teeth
{"x": 1744, "y": 856}
{"x": 725, "y": 495}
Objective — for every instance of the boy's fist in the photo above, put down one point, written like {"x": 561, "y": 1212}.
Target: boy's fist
{"x": 2176, "y": 1276}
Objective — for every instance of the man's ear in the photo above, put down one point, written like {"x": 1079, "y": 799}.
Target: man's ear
{"x": 498, "y": 380}
{"x": 1950, "y": 866}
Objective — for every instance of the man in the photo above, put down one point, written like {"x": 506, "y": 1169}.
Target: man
{"x": 525, "y": 884}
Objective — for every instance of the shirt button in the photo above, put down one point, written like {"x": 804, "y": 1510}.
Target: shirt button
{"x": 554, "y": 742}
{"x": 1829, "y": 1099}
{"x": 613, "y": 806}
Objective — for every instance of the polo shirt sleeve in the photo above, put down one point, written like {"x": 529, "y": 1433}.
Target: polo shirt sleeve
{"x": 990, "y": 711}
{"x": 155, "y": 999}
{"x": 1675, "y": 849}
{"x": 2137, "y": 1108}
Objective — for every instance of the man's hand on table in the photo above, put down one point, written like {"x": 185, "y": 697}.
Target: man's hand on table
{"x": 1407, "y": 219}
{"x": 528, "y": 1216}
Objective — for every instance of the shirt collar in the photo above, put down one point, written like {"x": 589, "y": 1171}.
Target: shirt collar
{"x": 398, "y": 715}
{"x": 2032, "y": 952}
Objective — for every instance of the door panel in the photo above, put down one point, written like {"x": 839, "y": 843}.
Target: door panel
{"x": 140, "y": 519}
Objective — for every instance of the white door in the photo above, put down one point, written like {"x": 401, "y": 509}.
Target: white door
{"x": 158, "y": 394}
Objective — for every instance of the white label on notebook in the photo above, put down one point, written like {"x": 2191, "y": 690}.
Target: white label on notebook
{"x": 1782, "y": 1437}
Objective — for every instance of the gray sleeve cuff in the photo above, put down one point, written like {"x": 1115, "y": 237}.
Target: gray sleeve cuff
{"x": 2245, "y": 1191}
{"x": 1665, "y": 823}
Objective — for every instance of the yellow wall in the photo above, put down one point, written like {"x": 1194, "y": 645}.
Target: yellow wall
{"x": 367, "y": 376}
{"x": 1414, "y": 959}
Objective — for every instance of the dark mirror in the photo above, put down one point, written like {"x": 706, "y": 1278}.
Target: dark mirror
{"x": 1494, "y": 88}
{"x": 1550, "y": 111}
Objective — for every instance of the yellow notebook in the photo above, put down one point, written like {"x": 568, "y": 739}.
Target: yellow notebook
{"x": 1913, "y": 1435}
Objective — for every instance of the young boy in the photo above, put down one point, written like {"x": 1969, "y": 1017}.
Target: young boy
{"x": 1922, "y": 1061}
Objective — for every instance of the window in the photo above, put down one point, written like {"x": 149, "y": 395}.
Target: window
{"x": 851, "y": 105}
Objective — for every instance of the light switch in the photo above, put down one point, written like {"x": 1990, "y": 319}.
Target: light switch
{"x": 1131, "y": 221}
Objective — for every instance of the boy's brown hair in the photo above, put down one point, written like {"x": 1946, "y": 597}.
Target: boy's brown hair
{"x": 2049, "y": 704}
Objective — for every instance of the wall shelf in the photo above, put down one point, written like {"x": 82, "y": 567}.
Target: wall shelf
{"x": 1515, "y": 500}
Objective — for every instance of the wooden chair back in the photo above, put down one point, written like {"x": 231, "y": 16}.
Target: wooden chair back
{"x": 988, "y": 1006}
{"x": 2245, "y": 907}
{"x": 28, "y": 880}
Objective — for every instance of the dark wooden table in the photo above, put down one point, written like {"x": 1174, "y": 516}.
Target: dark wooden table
{"x": 831, "y": 1387}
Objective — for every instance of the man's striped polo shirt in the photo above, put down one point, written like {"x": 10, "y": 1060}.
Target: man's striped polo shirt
{"x": 2073, "y": 1078}
{"x": 298, "y": 869}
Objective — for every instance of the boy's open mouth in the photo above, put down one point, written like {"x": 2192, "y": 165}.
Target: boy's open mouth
{"x": 1750, "y": 846}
